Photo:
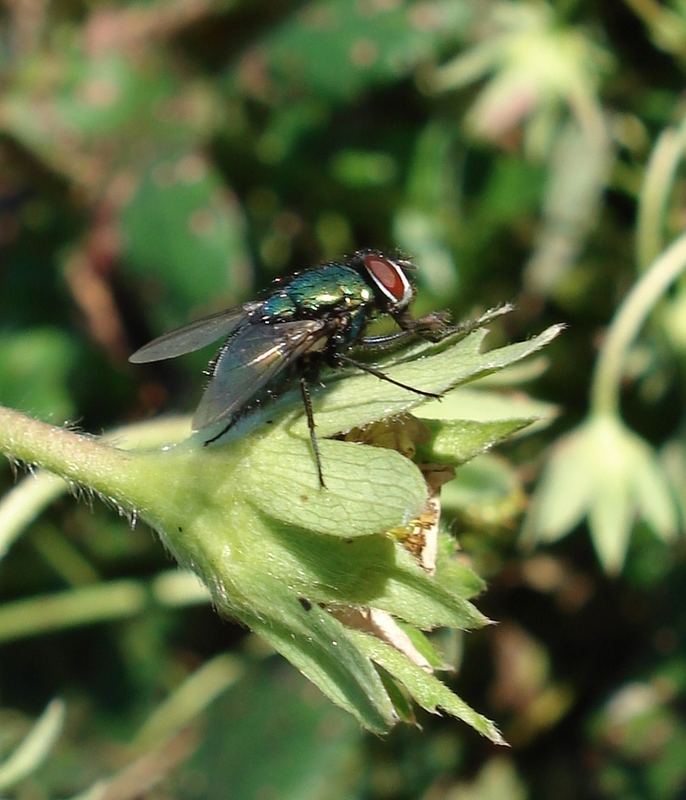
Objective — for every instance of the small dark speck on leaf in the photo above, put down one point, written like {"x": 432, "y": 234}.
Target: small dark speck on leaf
{"x": 305, "y": 603}
{"x": 304, "y": 498}
{"x": 180, "y": 529}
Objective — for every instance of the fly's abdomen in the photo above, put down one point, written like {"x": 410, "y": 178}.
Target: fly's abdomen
{"x": 278, "y": 308}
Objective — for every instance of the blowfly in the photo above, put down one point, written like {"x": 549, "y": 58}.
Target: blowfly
{"x": 302, "y": 323}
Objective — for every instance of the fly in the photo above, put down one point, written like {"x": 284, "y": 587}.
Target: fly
{"x": 303, "y": 322}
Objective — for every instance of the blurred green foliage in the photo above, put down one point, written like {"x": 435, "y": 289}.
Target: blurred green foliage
{"x": 163, "y": 159}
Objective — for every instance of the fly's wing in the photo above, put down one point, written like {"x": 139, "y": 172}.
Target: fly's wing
{"x": 192, "y": 337}
{"x": 253, "y": 357}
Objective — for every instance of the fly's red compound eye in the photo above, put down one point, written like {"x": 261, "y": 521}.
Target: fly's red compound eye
{"x": 390, "y": 278}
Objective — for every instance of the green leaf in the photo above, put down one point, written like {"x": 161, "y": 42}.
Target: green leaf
{"x": 279, "y": 724}
{"x": 83, "y": 111}
{"x": 333, "y": 49}
{"x": 425, "y": 647}
{"x": 109, "y": 93}
{"x": 360, "y": 399}
{"x": 182, "y": 213}
{"x": 35, "y": 367}
{"x": 486, "y": 490}
{"x": 365, "y": 487}
{"x": 402, "y": 702}
{"x": 413, "y": 596}
{"x": 479, "y": 404}
{"x": 371, "y": 571}
{"x": 427, "y": 690}
{"x": 363, "y": 169}
{"x": 454, "y": 574}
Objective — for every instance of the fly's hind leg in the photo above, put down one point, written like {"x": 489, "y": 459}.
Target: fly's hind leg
{"x": 305, "y": 391}
{"x": 382, "y": 376}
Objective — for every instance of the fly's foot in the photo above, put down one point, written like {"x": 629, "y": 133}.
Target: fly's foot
{"x": 436, "y": 327}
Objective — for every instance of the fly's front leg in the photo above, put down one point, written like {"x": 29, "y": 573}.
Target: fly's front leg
{"x": 436, "y": 326}
{"x": 387, "y": 341}
{"x": 433, "y": 327}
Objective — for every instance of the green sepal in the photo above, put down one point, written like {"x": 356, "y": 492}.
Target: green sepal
{"x": 424, "y": 647}
{"x": 457, "y": 576}
{"x": 323, "y": 650}
{"x": 402, "y": 702}
{"x": 456, "y": 442}
{"x": 366, "y": 571}
{"x": 427, "y": 691}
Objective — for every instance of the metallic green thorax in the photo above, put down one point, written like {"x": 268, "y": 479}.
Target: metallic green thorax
{"x": 332, "y": 288}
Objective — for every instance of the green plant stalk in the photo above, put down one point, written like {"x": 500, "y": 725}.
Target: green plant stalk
{"x": 191, "y": 698}
{"x": 657, "y": 186}
{"x": 35, "y": 747}
{"x": 665, "y": 25}
{"x": 171, "y": 490}
{"x": 75, "y": 457}
{"x": 20, "y": 506}
{"x": 104, "y": 602}
{"x": 628, "y": 321}
{"x": 129, "y": 481}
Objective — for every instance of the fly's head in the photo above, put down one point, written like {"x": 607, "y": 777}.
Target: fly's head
{"x": 388, "y": 278}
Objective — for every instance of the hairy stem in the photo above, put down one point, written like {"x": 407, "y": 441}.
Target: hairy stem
{"x": 113, "y": 473}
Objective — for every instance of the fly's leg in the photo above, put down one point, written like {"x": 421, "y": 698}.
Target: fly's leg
{"x": 387, "y": 341}
{"x": 220, "y": 434}
{"x": 432, "y": 327}
{"x": 436, "y": 326}
{"x": 463, "y": 329}
{"x": 305, "y": 391}
{"x": 377, "y": 373}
